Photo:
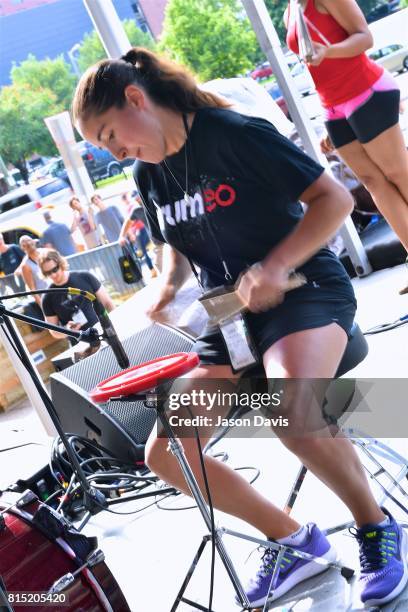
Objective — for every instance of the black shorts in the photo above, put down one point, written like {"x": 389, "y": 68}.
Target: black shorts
{"x": 307, "y": 307}
{"x": 379, "y": 113}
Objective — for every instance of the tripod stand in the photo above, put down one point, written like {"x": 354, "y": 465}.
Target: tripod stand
{"x": 94, "y": 500}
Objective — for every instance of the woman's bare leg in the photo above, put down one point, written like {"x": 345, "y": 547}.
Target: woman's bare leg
{"x": 315, "y": 354}
{"x": 389, "y": 152}
{"x": 389, "y": 198}
{"x": 229, "y": 491}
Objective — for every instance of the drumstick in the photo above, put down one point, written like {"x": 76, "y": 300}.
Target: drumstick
{"x": 227, "y": 304}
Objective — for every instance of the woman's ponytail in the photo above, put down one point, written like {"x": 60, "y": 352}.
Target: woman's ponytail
{"x": 166, "y": 83}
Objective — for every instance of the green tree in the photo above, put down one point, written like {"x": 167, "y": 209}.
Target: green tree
{"x": 276, "y": 8}
{"x": 53, "y": 74}
{"x": 22, "y": 128}
{"x": 213, "y": 38}
{"x": 91, "y": 50}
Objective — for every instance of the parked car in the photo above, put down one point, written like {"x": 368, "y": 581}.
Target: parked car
{"x": 100, "y": 163}
{"x": 302, "y": 78}
{"x": 392, "y": 57}
{"x": 32, "y": 223}
{"x": 29, "y": 198}
{"x": 383, "y": 10}
{"x": 263, "y": 71}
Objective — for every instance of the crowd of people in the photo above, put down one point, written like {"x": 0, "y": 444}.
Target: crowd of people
{"x": 42, "y": 263}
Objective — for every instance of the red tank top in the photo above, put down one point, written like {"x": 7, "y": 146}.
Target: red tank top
{"x": 340, "y": 79}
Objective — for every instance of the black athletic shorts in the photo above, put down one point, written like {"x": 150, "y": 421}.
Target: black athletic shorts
{"x": 307, "y": 307}
{"x": 379, "y": 113}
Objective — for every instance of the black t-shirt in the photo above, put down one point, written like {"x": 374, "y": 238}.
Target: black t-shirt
{"x": 244, "y": 183}
{"x": 11, "y": 259}
{"x": 65, "y": 307}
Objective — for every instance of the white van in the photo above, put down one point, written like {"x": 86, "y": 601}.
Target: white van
{"x": 29, "y": 198}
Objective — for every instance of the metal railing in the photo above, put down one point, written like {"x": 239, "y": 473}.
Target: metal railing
{"x": 11, "y": 283}
{"x": 103, "y": 262}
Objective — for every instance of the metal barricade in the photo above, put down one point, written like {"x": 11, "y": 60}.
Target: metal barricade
{"x": 11, "y": 283}
{"x": 103, "y": 262}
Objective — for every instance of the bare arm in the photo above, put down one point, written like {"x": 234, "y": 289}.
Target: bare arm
{"x": 55, "y": 321}
{"x": 124, "y": 230}
{"x": 74, "y": 224}
{"x": 176, "y": 270}
{"x": 28, "y": 277}
{"x": 263, "y": 285}
{"x": 105, "y": 299}
{"x": 348, "y": 14}
{"x": 328, "y": 204}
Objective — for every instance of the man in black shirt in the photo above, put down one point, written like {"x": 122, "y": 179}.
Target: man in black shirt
{"x": 74, "y": 312}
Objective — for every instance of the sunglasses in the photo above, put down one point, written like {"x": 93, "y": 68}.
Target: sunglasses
{"x": 51, "y": 271}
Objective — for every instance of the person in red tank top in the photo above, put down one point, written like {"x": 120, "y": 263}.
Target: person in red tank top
{"x": 360, "y": 101}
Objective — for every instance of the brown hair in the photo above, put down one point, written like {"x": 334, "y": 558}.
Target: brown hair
{"x": 94, "y": 196}
{"x": 73, "y": 199}
{"x": 169, "y": 85}
{"x": 52, "y": 255}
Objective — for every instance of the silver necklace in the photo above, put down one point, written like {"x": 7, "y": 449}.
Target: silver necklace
{"x": 185, "y": 190}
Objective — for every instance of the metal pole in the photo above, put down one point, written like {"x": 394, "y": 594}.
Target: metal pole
{"x": 270, "y": 45}
{"x": 26, "y": 380}
{"x": 63, "y": 134}
{"x": 108, "y": 26}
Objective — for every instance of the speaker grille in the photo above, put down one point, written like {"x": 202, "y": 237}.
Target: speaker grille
{"x": 150, "y": 343}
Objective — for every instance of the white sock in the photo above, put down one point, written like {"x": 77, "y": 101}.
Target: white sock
{"x": 385, "y": 522}
{"x": 296, "y": 538}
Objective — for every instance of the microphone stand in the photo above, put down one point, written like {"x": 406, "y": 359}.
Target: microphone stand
{"x": 94, "y": 500}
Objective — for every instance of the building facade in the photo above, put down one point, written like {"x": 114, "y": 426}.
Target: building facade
{"x": 48, "y": 28}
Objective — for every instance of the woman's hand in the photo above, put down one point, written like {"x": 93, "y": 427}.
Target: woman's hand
{"x": 261, "y": 288}
{"x": 326, "y": 145}
{"x": 166, "y": 295}
{"x": 319, "y": 54}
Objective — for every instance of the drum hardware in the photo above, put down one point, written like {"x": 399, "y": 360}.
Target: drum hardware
{"x": 94, "y": 500}
{"x": 65, "y": 581}
{"x": 26, "y": 498}
{"x": 151, "y": 381}
{"x": 32, "y": 559}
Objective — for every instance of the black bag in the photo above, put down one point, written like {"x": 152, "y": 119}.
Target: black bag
{"x": 33, "y": 309}
{"x": 129, "y": 266}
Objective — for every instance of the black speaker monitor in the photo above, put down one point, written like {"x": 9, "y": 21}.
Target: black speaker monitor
{"x": 121, "y": 427}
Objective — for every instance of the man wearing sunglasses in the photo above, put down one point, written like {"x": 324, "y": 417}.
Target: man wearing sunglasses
{"x": 74, "y": 312}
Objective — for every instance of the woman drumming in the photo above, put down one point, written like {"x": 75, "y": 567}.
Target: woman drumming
{"x": 222, "y": 191}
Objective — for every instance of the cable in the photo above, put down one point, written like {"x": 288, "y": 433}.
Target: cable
{"x": 71, "y": 290}
{"x": 378, "y": 329}
{"x": 116, "y": 476}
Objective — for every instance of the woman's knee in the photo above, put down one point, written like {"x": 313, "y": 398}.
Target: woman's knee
{"x": 374, "y": 182}
{"x": 398, "y": 175}
{"x": 157, "y": 455}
